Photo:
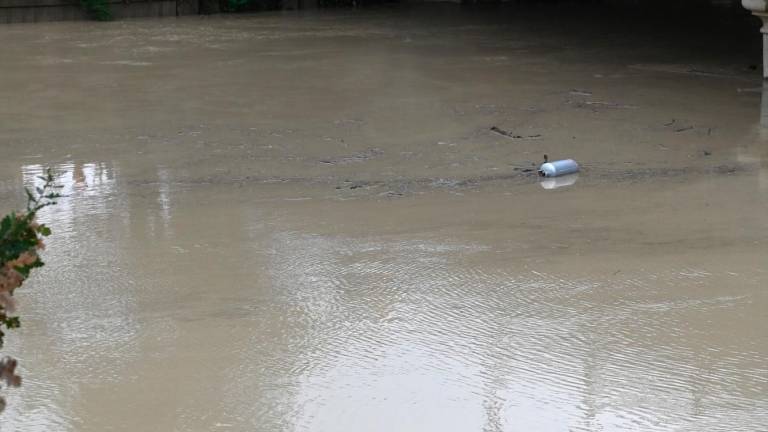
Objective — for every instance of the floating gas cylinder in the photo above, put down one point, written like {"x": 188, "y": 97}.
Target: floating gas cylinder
{"x": 558, "y": 168}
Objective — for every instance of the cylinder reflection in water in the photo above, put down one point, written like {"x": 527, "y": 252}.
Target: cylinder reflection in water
{"x": 558, "y": 182}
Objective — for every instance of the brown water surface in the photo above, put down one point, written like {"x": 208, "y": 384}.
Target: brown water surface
{"x": 290, "y": 222}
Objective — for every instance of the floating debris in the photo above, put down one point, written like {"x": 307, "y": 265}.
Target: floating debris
{"x": 508, "y": 134}
{"x": 558, "y": 168}
{"x": 357, "y": 157}
{"x": 609, "y": 104}
{"x": 576, "y": 92}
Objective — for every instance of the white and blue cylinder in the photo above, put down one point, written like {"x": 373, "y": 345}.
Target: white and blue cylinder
{"x": 558, "y": 168}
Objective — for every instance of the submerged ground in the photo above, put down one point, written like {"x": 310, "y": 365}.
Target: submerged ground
{"x": 287, "y": 222}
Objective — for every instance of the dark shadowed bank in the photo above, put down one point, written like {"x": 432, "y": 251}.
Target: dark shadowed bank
{"x": 19, "y": 11}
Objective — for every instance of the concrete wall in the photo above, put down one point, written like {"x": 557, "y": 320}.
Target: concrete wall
{"x": 19, "y": 11}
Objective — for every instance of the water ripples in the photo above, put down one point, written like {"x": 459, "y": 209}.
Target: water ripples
{"x": 396, "y": 332}
{"x": 402, "y": 308}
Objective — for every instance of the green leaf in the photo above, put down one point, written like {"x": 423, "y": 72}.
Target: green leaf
{"x": 5, "y": 224}
{"x": 12, "y": 322}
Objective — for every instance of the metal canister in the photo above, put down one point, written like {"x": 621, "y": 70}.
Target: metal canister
{"x": 558, "y": 168}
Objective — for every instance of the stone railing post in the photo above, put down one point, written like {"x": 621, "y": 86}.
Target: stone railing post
{"x": 759, "y": 8}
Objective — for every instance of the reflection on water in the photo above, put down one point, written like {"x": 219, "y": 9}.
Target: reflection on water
{"x": 558, "y": 182}
{"x": 404, "y": 324}
{"x": 761, "y": 154}
{"x": 84, "y": 318}
{"x": 91, "y": 184}
{"x": 295, "y": 330}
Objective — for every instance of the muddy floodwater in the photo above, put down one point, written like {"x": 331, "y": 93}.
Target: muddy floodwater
{"x": 330, "y": 222}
